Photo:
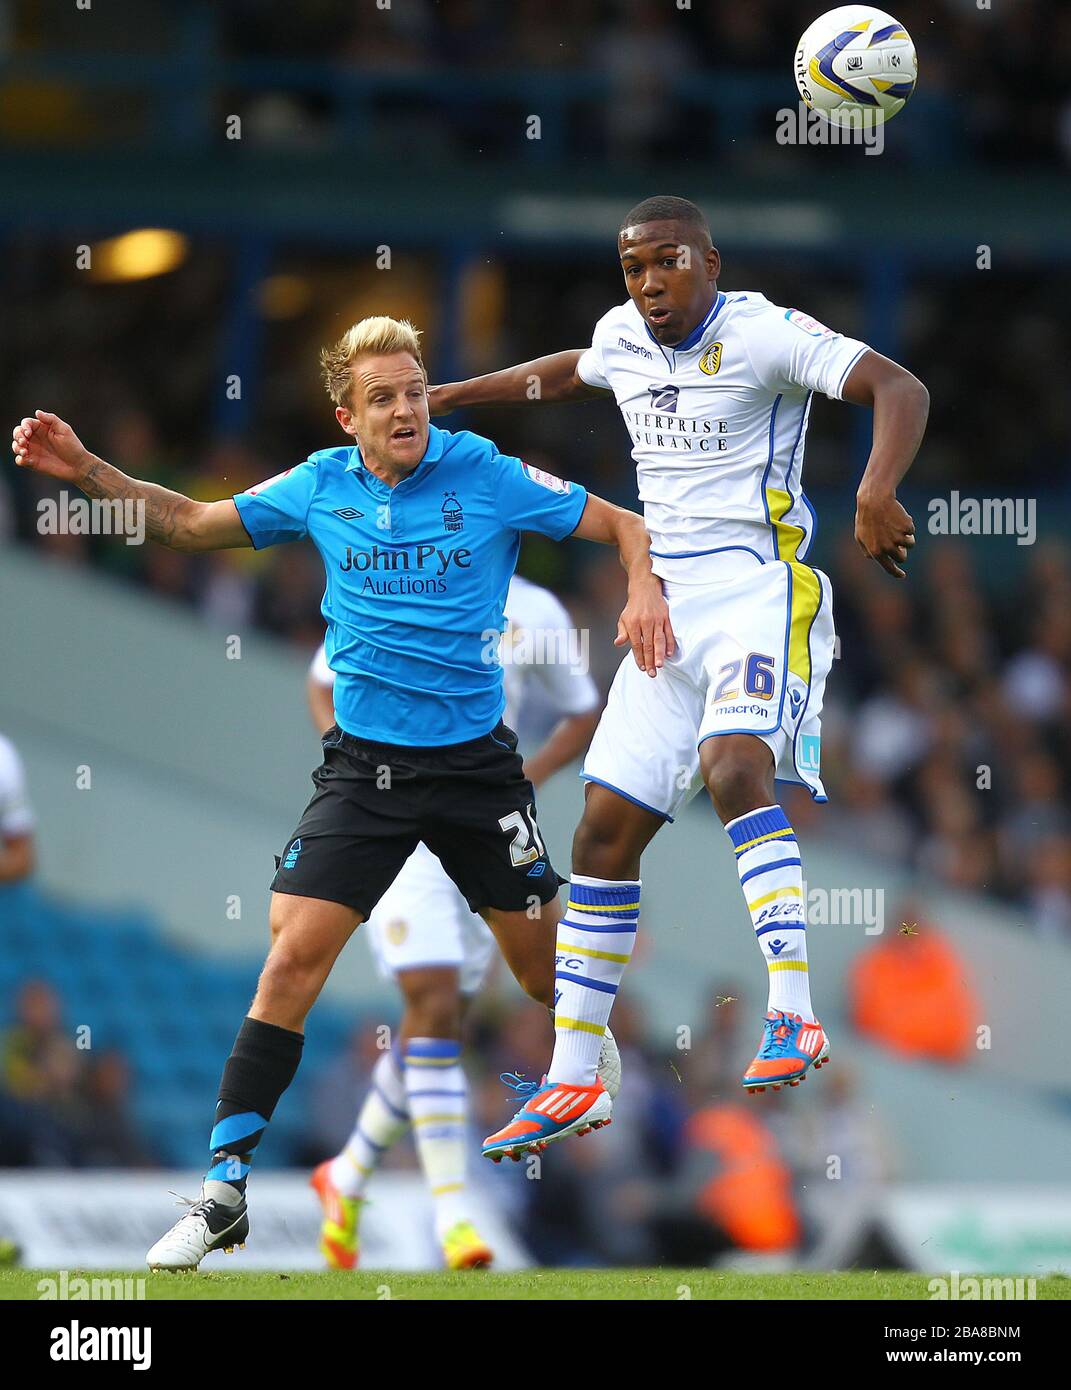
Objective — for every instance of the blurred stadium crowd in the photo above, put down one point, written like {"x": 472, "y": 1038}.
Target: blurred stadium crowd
{"x": 983, "y": 67}
{"x": 624, "y": 79}
{"x": 61, "y": 1105}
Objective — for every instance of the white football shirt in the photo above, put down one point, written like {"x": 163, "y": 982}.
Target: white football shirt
{"x": 16, "y": 818}
{"x": 718, "y": 423}
{"x": 544, "y": 661}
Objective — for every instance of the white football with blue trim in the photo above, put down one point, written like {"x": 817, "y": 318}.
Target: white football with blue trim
{"x": 856, "y": 65}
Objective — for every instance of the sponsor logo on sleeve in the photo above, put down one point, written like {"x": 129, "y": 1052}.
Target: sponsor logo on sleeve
{"x": 548, "y": 480}
{"x": 807, "y": 324}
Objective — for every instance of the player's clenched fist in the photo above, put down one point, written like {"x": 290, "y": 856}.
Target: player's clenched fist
{"x": 47, "y": 444}
{"x": 644, "y": 624}
{"x": 884, "y": 531}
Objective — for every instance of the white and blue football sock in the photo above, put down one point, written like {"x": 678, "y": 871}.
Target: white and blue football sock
{"x": 382, "y": 1120}
{"x": 771, "y": 875}
{"x": 596, "y": 937}
{"x": 437, "y": 1096}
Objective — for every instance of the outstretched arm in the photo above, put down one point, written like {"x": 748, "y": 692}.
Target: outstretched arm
{"x": 46, "y": 444}
{"x": 552, "y": 378}
{"x": 644, "y": 622}
{"x": 901, "y": 405}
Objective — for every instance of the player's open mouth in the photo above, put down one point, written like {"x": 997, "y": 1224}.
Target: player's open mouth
{"x": 403, "y": 435}
{"x": 657, "y": 316}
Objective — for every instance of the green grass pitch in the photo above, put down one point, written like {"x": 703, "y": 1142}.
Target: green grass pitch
{"x": 540, "y": 1284}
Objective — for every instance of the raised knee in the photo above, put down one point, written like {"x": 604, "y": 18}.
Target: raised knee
{"x": 738, "y": 784}
{"x": 438, "y": 1017}
{"x": 289, "y": 963}
{"x": 732, "y": 780}
{"x": 602, "y": 847}
{"x": 433, "y": 1010}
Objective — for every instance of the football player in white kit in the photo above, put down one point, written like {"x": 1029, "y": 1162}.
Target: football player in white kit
{"x": 424, "y": 936}
{"x": 715, "y": 391}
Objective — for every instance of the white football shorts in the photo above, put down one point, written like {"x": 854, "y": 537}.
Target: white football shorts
{"x": 423, "y": 920}
{"x": 754, "y": 646}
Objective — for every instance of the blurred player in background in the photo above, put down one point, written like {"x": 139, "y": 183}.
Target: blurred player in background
{"x": 16, "y": 818}
{"x": 715, "y": 391}
{"x": 424, "y": 936}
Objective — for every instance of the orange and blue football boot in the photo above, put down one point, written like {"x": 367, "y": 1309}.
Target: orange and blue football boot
{"x": 339, "y": 1243}
{"x": 789, "y": 1047}
{"x": 553, "y": 1111}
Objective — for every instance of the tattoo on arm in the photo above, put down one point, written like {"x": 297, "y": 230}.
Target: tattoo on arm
{"x": 163, "y": 507}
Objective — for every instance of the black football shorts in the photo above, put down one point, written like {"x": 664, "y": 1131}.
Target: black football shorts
{"x": 470, "y": 803}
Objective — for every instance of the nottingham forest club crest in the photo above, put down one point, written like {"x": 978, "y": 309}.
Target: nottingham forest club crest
{"x": 453, "y": 516}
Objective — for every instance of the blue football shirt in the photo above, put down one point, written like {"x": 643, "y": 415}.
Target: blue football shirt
{"x": 417, "y": 577}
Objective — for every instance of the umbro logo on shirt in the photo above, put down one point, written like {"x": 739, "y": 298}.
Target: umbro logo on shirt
{"x": 348, "y": 513}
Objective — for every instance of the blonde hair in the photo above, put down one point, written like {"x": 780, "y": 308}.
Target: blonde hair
{"x": 372, "y": 337}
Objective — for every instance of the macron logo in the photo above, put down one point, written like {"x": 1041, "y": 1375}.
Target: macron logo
{"x": 635, "y": 348}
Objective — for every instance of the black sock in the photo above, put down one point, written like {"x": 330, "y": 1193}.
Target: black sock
{"x": 261, "y": 1066}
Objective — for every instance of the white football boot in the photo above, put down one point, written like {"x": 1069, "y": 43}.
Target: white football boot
{"x": 206, "y": 1225}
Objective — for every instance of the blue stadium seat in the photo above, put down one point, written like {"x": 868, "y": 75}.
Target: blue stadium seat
{"x": 173, "y": 1013}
